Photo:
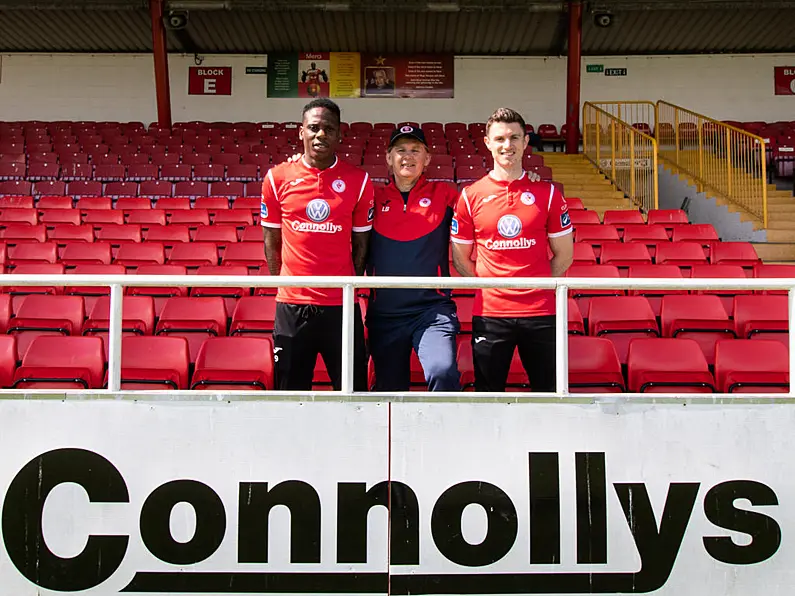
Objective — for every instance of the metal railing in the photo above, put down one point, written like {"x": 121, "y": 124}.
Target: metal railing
{"x": 349, "y": 286}
{"x": 626, "y": 155}
{"x": 721, "y": 158}
{"x": 639, "y": 114}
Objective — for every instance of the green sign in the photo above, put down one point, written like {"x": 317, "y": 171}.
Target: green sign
{"x": 283, "y": 77}
{"x": 594, "y": 67}
{"x": 616, "y": 72}
{"x": 259, "y": 70}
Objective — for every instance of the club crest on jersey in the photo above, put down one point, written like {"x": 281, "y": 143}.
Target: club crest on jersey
{"x": 425, "y": 202}
{"x": 318, "y": 210}
{"x": 565, "y": 219}
{"x": 338, "y": 185}
{"x": 528, "y": 198}
{"x": 454, "y": 226}
{"x": 509, "y": 226}
{"x": 263, "y": 211}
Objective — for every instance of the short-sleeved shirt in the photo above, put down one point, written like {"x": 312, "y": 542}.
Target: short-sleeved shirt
{"x": 317, "y": 210}
{"x": 509, "y": 224}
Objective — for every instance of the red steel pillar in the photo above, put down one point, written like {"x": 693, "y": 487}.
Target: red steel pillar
{"x": 573, "y": 79}
{"x": 161, "y": 63}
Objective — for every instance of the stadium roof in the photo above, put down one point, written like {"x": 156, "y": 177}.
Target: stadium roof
{"x": 463, "y": 27}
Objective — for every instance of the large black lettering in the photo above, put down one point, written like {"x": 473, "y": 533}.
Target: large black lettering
{"x": 501, "y": 529}
{"x": 591, "y": 483}
{"x": 544, "y": 508}
{"x": 22, "y": 524}
{"x": 255, "y": 503}
{"x": 354, "y": 502}
{"x": 764, "y": 531}
{"x": 156, "y": 522}
{"x": 657, "y": 549}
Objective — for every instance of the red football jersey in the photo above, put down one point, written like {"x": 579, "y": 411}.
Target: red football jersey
{"x": 317, "y": 210}
{"x": 509, "y": 223}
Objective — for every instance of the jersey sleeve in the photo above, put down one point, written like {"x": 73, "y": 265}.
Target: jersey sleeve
{"x": 462, "y": 230}
{"x": 558, "y": 220}
{"x": 270, "y": 211}
{"x": 365, "y": 207}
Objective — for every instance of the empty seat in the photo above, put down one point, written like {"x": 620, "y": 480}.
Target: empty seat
{"x": 704, "y": 234}
{"x": 624, "y": 255}
{"x": 720, "y": 272}
{"x": 742, "y": 254}
{"x": 167, "y": 235}
{"x": 138, "y": 317}
{"x": 5, "y": 313}
{"x": 16, "y": 232}
{"x": 212, "y": 204}
{"x": 654, "y": 296}
{"x": 234, "y": 363}
{"x": 649, "y": 235}
{"x": 160, "y": 293}
{"x": 621, "y": 218}
{"x": 19, "y": 216}
{"x": 681, "y": 254}
{"x": 666, "y": 365}
{"x": 41, "y": 314}
{"x": 584, "y": 217}
{"x": 155, "y": 189}
{"x": 8, "y": 360}
{"x": 133, "y": 255}
{"x": 63, "y": 233}
{"x": 229, "y": 294}
{"x": 699, "y": 317}
{"x": 83, "y": 252}
{"x": 221, "y": 234}
{"x": 745, "y": 367}
{"x": 574, "y": 203}
{"x": 90, "y": 294}
{"x": 193, "y": 218}
{"x": 621, "y": 319}
{"x": 62, "y": 363}
{"x": 250, "y": 254}
{"x": 575, "y": 323}
{"x": 52, "y": 217}
{"x": 171, "y": 204}
{"x": 761, "y": 317}
{"x": 254, "y": 315}
{"x": 594, "y": 366}
{"x": 147, "y": 218}
{"x": 666, "y": 217}
{"x": 130, "y": 204}
{"x": 32, "y": 252}
{"x": 194, "y": 254}
{"x": 19, "y": 292}
{"x": 584, "y": 254}
{"x": 582, "y": 296}
{"x": 149, "y": 363}
{"x": 774, "y": 271}
{"x": 596, "y": 235}
{"x": 195, "y": 319}
{"x": 86, "y": 203}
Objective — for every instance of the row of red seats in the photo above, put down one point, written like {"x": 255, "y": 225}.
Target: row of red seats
{"x": 87, "y": 203}
{"x": 245, "y": 363}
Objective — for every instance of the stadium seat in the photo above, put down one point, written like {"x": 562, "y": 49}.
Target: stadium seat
{"x": 682, "y": 254}
{"x": 207, "y": 172}
{"x": 621, "y": 218}
{"x": 666, "y": 218}
{"x": 132, "y": 204}
{"x": 16, "y": 202}
{"x": 583, "y": 296}
{"x": 761, "y": 317}
{"x": 85, "y": 188}
{"x": 155, "y": 189}
{"x": 138, "y": 317}
{"x": 41, "y": 314}
{"x": 193, "y": 218}
{"x": 699, "y": 317}
{"x": 110, "y": 172}
{"x": 19, "y": 292}
{"x": 229, "y": 294}
{"x": 61, "y": 363}
{"x": 742, "y": 254}
{"x": 596, "y": 236}
{"x": 624, "y": 255}
{"x": 666, "y": 365}
{"x": 8, "y": 360}
{"x": 773, "y": 271}
{"x": 720, "y": 272}
{"x": 176, "y": 172}
{"x": 250, "y": 254}
{"x": 574, "y": 203}
{"x": 93, "y": 203}
{"x": 576, "y": 325}
{"x": 90, "y": 294}
{"x": 5, "y": 313}
{"x": 594, "y": 366}
{"x": 234, "y": 363}
{"x": 621, "y": 319}
{"x": 150, "y": 363}
{"x": 76, "y": 253}
{"x": 193, "y": 254}
{"x": 227, "y": 188}
{"x": 23, "y": 232}
{"x": 253, "y": 316}
{"x": 251, "y": 234}
{"x": 171, "y": 204}
{"x": 168, "y": 235}
{"x": 160, "y": 293}
{"x": 704, "y": 234}
{"x": 146, "y": 218}
{"x": 62, "y": 234}
{"x": 584, "y": 217}
{"x": 19, "y": 216}
{"x": 191, "y": 189}
{"x": 142, "y": 172}
{"x": 121, "y": 189}
{"x": 52, "y": 217}
{"x": 745, "y": 367}
{"x": 584, "y": 254}
{"x": 31, "y": 252}
{"x": 251, "y": 203}
{"x": 212, "y": 204}
{"x": 133, "y": 255}
{"x": 195, "y": 319}
{"x": 245, "y": 172}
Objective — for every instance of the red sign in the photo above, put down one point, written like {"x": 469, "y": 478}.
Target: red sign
{"x": 210, "y": 80}
{"x": 785, "y": 80}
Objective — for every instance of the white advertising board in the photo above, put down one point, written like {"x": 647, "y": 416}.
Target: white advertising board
{"x": 110, "y": 497}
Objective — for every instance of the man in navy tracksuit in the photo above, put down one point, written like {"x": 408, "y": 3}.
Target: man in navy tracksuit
{"x": 410, "y": 237}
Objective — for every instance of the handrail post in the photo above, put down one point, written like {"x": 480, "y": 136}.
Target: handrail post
{"x": 729, "y": 162}
{"x": 598, "y": 128}
{"x": 348, "y": 312}
{"x": 656, "y": 178}
{"x": 700, "y": 150}
{"x": 632, "y": 165}
{"x": 613, "y": 151}
{"x": 676, "y": 134}
{"x": 763, "y": 161}
{"x": 114, "y": 338}
{"x": 791, "y": 310}
{"x": 562, "y": 340}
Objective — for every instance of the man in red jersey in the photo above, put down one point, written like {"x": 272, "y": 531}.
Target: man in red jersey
{"x": 513, "y": 221}
{"x": 317, "y": 213}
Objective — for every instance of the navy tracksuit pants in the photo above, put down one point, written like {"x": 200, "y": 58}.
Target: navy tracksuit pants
{"x": 430, "y": 333}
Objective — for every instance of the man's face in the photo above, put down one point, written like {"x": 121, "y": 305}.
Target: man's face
{"x": 320, "y": 133}
{"x": 408, "y": 158}
{"x": 380, "y": 78}
{"x": 506, "y": 142}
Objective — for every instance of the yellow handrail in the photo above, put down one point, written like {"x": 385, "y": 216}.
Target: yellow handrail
{"x": 727, "y": 160}
{"x": 626, "y": 155}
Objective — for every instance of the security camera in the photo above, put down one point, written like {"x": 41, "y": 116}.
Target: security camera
{"x": 177, "y": 19}
{"x": 602, "y": 19}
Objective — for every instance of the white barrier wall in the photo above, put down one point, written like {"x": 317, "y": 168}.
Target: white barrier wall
{"x": 121, "y": 87}
{"x": 486, "y": 498}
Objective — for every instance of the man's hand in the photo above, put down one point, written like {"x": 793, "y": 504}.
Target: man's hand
{"x": 533, "y": 176}
{"x": 294, "y": 158}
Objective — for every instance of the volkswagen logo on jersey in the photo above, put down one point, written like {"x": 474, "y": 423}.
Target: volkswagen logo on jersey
{"x": 509, "y": 226}
{"x": 318, "y": 210}
{"x": 425, "y": 202}
{"x": 528, "y": 198}
{"x": 338, "y": 185}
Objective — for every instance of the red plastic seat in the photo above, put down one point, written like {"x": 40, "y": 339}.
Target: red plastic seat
{"x": 93, "y": 203}
{"x": 584, "y": 217}
{"x": 90, "y": 294}
{"x": 192, "y": 189}
{"x": 252, "y": 203}
{"x": 149, "y": 363}
{"x": 720, "y": 272}
{"x": 742, "y": 254}
{"x": 250, "y": 254}
{"x": 220, "y": 234}
{"x": 594, "y": 366}
{"x": 227, "y": 188}
{"x": 15, "y": 188}
{"x": 761, "y": 317}
{"x": 666, "y": 217}
{"x": 85, "y": 188}
{"x": 207, "y": 172}
{"x": 141, "y": 172}
{"x": 155, "y": 189}
{"x": 32, "y": 252}
{"x": 239, "y": 217}
{"x": 19, "y": 292}
{"x": 167, "y": 235}
{"x": 138, "y": 317}
{"x": 121, "y": 189}
{"x": 704, "y": 234}
{"x": 245, "y": 172}
{"x": 621, "y": 218}
{"x": 254, "y": 315}
{"x": 19, "y": 216}
{"x": 596, "y": 235}
{"x": 49, "y": 187}
{"x": 583, "y": 296}
{"x": 160, "y": 293}
{"x": 235, "y": 363}
{"x": 621, "y": 319}
{"x": 133, "y": 255}
{"x": 681, "y": 254}
{"x": 62, "y": 363}
{"x": 574, "y": 203}
{"x": 176, "y": 172}
{"x": 100, "y": 217}
{"x": 624, "y": 255}
{"x": 171, "y": 204}
{"x": 193, "y": 218}
{"x": 666, "y": 365}
{"x": 52, "y": 217}
{"x": 8, "y": 359}
{"x": 651, "y": 272}
{"x": 745, "y": 367}
{"x": 212, "y": 204}
{"x": 110, "y": 172}
{"x": 62, "y": 234}
{"x": 193, "y": 254}
{"x": 77, "y": 253}
{"x": 773, "y": 271}
{"x": 229, "y": 294}
{"x": 699, "y": 317}
{"x": 131, "y": 204}
{"x": 145, "y": 218}
{"x": 54, "y": 202}
{"x": 584, "y": 254}
{"x": 576, "y": 325}
{"x": 42, "y": 314}
{"x": 23, "y": 232}
{"x": 251, "y": 234}
{"x": 195, "y": 319}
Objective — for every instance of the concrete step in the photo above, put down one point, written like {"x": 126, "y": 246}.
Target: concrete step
{"x": 775, "y": 251}
{"x": 776, "y": 235}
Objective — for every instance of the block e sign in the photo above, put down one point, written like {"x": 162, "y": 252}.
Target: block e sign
{"x": 210, "y": 80}
{"x": 785, "y": 80}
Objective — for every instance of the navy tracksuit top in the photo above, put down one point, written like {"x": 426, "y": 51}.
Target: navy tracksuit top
{"x": 410, "y": 238}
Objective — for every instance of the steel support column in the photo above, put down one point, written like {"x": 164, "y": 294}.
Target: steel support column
{"x": 160, "y": 53}
{"x": 573, "y": 78}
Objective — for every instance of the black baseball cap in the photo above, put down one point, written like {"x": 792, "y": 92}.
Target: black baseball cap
{"x": 407, "y": 131}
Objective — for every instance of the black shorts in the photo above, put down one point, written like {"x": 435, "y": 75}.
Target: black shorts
{"x": 301, "y": 332}
{"x": 494, "y": 340}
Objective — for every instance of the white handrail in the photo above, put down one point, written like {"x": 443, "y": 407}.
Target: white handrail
{"x": 561, "y": 285}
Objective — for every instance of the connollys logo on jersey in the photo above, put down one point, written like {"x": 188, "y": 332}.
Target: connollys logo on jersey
{"x": 509, "y": 227}
{"x": 318, "y": 210}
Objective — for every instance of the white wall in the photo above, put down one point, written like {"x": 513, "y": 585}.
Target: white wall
{"x": 121, "y": 87}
